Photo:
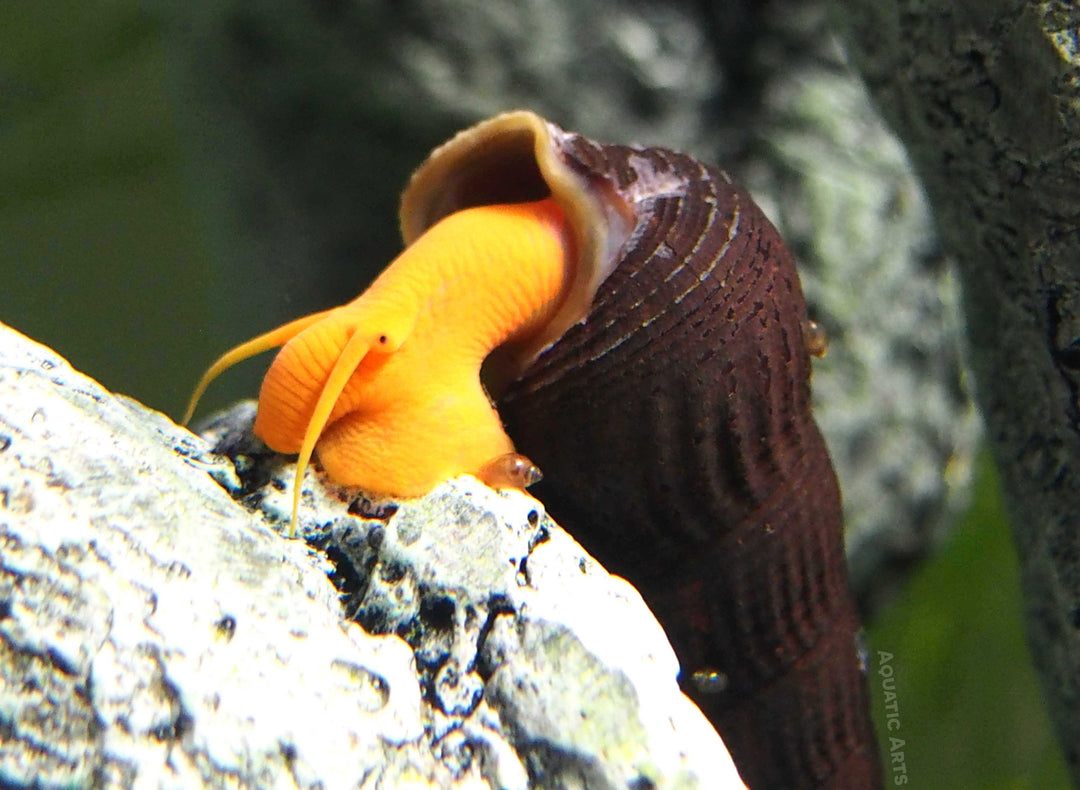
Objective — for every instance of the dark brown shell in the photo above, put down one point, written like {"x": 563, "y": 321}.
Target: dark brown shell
{"x": 672, "y": 423}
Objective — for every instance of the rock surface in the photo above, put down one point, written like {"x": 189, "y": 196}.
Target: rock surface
{"x": 987, "y": 98}
{"x": 154, "y": 632}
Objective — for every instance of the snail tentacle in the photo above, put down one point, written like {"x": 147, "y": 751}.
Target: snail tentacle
{"x": 257, "y": 345}
{"x": 379, "y": 340}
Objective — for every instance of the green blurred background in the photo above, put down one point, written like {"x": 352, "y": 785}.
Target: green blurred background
{"x": 101, "y": 254}
{"x": 107, "y": 255}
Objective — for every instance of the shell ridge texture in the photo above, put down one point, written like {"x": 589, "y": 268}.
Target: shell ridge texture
{"x": 674, "y": 429}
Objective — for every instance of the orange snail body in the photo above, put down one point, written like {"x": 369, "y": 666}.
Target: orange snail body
{"x": 387, "y": 387}
{"x": 660, "y": 378}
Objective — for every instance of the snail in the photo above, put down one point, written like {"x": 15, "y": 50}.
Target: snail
{"x": 642, "y": 331}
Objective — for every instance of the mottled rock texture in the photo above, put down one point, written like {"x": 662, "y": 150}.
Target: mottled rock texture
{"x": 987, "y": 98}
{"x": 156, "y": 632}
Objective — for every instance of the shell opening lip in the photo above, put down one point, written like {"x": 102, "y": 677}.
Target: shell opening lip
{"x": 518, "y": 157}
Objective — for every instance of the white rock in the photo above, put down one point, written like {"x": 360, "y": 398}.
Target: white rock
{"x": 156, "y": 633}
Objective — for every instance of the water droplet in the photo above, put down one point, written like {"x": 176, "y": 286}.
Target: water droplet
{"x": 709, "y": 680}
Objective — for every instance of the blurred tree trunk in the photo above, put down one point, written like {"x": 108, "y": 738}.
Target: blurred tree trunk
{"x": 986, "y": 95}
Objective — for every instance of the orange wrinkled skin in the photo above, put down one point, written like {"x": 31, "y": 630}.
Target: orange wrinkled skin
{"x": 386, "y": 389}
